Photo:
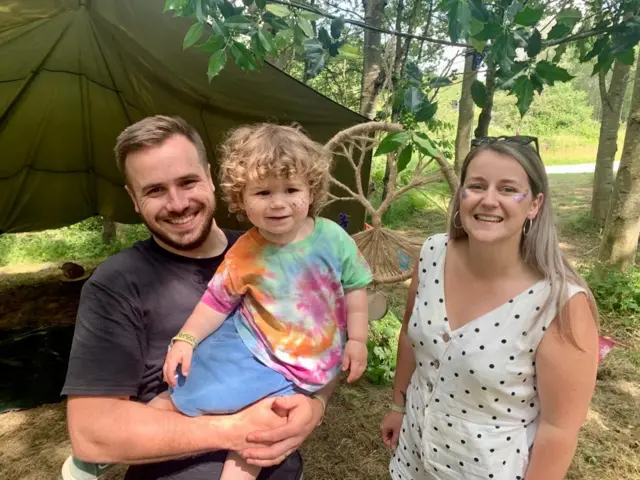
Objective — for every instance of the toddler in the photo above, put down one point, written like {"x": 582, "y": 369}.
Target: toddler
{"x": 276, "y": 316}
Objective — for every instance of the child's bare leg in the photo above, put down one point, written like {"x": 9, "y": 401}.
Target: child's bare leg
{"x": 163, "y": 402}
{"x": 236, "y": 468}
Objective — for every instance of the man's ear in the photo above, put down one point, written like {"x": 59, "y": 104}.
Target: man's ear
{"x": 536, "y": 205}
{"x": 213, "y": 185}
{"x": 133, "y": 198}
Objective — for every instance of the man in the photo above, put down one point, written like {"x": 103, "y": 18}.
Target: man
{"x": 132, "y": 306}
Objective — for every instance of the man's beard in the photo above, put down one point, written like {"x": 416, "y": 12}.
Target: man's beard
{"x": 177, "y": 245}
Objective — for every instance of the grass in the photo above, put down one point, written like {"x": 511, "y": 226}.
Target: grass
{"x": 347, "y": 446}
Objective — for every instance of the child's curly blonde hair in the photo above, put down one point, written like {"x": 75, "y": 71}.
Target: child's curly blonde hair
{"x": 254, "y": 152}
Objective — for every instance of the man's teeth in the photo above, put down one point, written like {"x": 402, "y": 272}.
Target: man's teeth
{"x": 489, "y": 218}
{"x": 181, "y": 220}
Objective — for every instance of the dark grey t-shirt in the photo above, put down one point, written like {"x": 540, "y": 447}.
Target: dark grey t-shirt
{"x": 130, "y": 308}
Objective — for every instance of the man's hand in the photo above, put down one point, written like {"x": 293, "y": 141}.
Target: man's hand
{"x": 355, "y": 359}
{"x": 301, "y": 414}
{"x": 180, "y": 353}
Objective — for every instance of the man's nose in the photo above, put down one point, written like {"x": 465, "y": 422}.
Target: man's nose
{"x": 177, "y": 201}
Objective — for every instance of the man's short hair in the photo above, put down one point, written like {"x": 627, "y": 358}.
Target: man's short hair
{"x": 152, "y": 132}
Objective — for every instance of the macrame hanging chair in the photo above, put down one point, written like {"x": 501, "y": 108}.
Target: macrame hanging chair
{"x": 390, "y": 254}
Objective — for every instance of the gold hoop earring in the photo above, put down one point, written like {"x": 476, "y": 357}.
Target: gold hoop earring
{"x": 525, "y": 230}
{"x": 457, "y": 214}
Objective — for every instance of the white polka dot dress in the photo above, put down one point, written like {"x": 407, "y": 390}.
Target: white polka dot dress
{"x": 472, "y": 405}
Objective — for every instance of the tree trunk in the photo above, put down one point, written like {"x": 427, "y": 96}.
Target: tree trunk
{"x": 372, "y": 73}
{"x": 620, "y": 238}
{"x": 484, "y": 120}
{"x": 109, "y": 231}
{"x": 608, "y": 142}
{"x": 465, "y": 114}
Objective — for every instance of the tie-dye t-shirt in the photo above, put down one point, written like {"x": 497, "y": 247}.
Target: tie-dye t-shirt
{"x": 288, "y": 301}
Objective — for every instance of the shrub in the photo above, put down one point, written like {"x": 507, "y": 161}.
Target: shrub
{"x": 383, "y": 347}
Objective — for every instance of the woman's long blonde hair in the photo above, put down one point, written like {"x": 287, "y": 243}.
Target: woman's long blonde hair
{"x": 539, "y": 248}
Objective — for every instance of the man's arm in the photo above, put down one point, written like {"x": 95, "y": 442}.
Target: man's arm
{"x": 304, "y": 414}
{"x": 118, "y": 430}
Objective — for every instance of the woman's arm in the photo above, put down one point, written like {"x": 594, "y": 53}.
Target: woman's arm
{"x": 566, "y": 379}
{"x": 406, "y": 362}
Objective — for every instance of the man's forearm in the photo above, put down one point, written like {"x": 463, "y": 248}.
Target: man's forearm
{"x": 553, "y": 450}
{"x": 111, "y": 430}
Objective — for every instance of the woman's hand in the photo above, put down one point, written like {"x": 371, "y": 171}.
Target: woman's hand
{"x": 391, "y": 425}
{"x": 302, "y": 415}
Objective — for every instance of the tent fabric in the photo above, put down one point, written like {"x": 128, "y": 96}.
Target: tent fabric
{"x": 75, "y": 73}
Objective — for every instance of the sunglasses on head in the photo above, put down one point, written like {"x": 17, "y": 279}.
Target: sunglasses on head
{"x": 519, "y": 139}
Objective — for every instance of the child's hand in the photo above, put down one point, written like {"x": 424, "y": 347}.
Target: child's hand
{"x": 355, "y": 359}
{"x": 180, "y": 353}
{"x": 390, "y": 428}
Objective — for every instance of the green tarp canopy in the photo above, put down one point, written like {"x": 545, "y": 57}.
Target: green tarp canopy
{"x": 74, "y": 73}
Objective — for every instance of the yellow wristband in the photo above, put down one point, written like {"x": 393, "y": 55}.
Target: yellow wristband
{"x": 396, "y": 408}
{"x": 185, "y": 337}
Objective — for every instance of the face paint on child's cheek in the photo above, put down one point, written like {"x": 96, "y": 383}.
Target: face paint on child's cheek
{"x": 521, "y": 196}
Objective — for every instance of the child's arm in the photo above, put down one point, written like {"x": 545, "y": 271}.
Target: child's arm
{"x": 355, "y": 354}
{"x": 203, "y": 322}
{"x": 357, "y": 315}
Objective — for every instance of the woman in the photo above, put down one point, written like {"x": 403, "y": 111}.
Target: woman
{"x": 497, "y": 356}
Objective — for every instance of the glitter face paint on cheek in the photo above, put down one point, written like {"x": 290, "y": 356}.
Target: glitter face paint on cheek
{"x": 521, "y": 196}
{"x": 464, "y": 193}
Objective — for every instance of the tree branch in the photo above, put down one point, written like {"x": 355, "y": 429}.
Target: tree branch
{"x": 360, "y": 24}
{"x": 577, "y": 36}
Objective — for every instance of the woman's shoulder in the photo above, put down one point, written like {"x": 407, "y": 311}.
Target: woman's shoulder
{"x": 435, "y": 242}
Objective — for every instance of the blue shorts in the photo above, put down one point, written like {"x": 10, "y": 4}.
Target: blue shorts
{"x": 226, "y": 377}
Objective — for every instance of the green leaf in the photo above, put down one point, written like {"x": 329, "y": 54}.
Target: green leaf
{"x": 503, "y": 51}
{"x": 391, "y": 142}
{"x": 529, "y": 16}
{"x": 626, "y": 57}
{"x": 560, "y": 49}
{"x": 193, "y": 35}
{"x": 437, "y": 82}
{"x": 490, "y": 31}
{"x": 213, "y": 44}
{"x": 350, "y": 52}
{"x": 305, "y": 26}
{"x": 324, "y": 37}
{"x": 523, "y": 89}
{"x": 537, "y": 82}
{"x": 600, "y": 44}
{"x": 479, "y": 93}
{"x": 426, "y": 112}
{"x": 226, "y": 8}
{"x": 283, "y": 38}
{"x": 569, "y": 17}
{"x": 217, "y": 62}
{"x": 459, "y": 16}
{"x": 247, "y": 3}
{"x": 605, "y": 61}
{"x": 478, "y": 10}
{"x": 199, "y": 13}
{"x": 405, "y": 157}
{"x": 551, "y": 73}
{"x": 513, "y": 10}
{"x": 242, "y": 56}
{"x": 425, "y": 145}
{"x": 239, "y": 22}
{"x": 337, "y": 24}
{"x": 559, "y": 30}
{"x": 266, "y": 40}
{"x": 257, "y": 49}
{"x": 218, "y": 27}
{"x": 535, "y": 44}
{"x": 412, "y": 99}
{"x": 261, "y": 4}
{"x": 278, "y": 10}
{"x": 312, "y": 17}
